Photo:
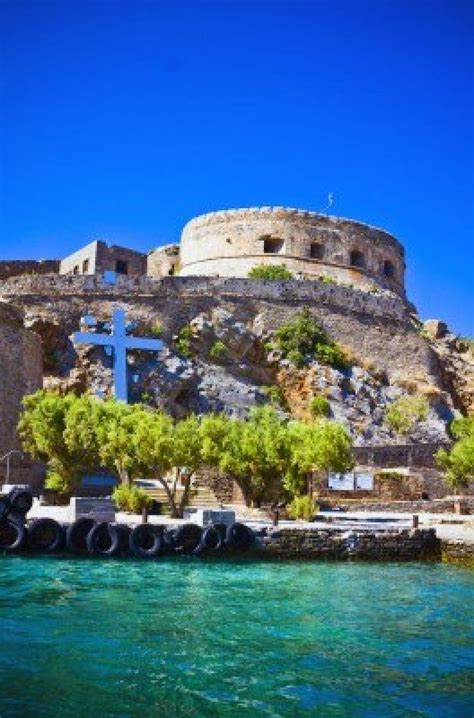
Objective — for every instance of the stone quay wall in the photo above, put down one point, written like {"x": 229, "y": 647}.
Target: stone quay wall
{"x": 21, "y": 372}
{"x": 310, "y": 544}
{"x": 377, "y": 329}
{"x": 229, "y": 243}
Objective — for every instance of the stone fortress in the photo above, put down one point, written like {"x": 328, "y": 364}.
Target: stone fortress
{"x": 349, "y": 275}
{"x": 230, "y": 243}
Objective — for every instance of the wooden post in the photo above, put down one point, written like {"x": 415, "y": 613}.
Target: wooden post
{"x": 145, "y": 515}
{"x": 415, "y": 521}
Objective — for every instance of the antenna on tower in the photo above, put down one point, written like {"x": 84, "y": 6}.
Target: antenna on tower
{"x": 330, "y": 202}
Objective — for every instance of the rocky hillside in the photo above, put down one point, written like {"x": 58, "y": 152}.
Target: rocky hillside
{"x": 221, "y": 353}
{"x": 216, "y": 363}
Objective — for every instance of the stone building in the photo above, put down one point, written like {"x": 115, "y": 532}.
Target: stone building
{"x": 98, "y": 257}
{"x": 21, "y": 372}
{"x": 163, "y": 261}
{"x": 311, "y": 245}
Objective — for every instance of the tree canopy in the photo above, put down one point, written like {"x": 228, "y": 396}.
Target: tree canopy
{"x": 459, "y": 462}
{"x": 265, "y": 454}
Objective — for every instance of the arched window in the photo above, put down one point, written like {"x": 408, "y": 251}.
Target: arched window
{"x": 316, "y": 250}
{"x": 273, "y": 245}
{"x": 388, "y": 268}
{"x": 357, "y": 258}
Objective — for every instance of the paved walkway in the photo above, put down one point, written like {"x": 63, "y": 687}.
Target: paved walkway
{"x": 449, "y": 527}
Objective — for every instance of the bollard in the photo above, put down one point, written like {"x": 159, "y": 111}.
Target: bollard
{"x": 415, "y": 521}
{"x": 145, "y": 515}
{"x": 276, "y": 516}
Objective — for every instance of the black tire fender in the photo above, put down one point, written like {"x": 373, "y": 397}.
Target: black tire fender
{"x": 211, "y": 540}
{"x": 188, "y": 537}
{"x": 12, "y": 536}
{"x": 146, "y": 541}
{"x": 76, "y": 535}
{"x": 21, "y": 500}
{"x": 45, "y": 535}
{"x": 240, "y": 536}
{"x": 103, "y": 539}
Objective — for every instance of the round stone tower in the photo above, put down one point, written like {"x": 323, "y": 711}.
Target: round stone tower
{"x": 21, "y": 372}
{"x": 230, "y": 243}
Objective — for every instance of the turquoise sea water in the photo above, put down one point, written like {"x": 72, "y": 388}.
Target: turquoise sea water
{"x": 193, "y": 639}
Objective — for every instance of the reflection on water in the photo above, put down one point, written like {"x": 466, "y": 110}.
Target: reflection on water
{"x": 192, "y": 639}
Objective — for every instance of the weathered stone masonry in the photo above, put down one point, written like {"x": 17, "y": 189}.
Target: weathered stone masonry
{"x": 230, "y": 243}
{"x": 21, "y": 372}
{"x": 376, "y": 328}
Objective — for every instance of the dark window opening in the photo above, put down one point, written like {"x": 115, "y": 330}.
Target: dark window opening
{"x": 76, "y": 269}
{"x": 388, "y": 269}
{"x": 273, "y": 245}
{"x": 85, "y": 266}
{"x": 357, "y": 258}
{"x": 121, "y": 266}
{"x": 316, "y": 250}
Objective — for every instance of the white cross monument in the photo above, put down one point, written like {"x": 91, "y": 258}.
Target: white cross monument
{"x": 119, "y": 341}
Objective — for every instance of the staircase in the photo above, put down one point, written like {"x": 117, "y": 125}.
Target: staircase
{"x": 201, "y": 497}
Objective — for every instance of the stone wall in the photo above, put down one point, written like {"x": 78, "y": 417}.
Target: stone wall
{"x": 21, "y": 373}
{"x": 19, "y": 267}
{"x": 414, "y": 455}
{"x": 420, "y": 506}
{"x": 230, "y": 243}
{"x": 405, "y": 545}
{"x": 376, "y": 329}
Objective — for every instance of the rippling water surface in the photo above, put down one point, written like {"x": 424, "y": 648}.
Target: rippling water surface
{"x": 182, "y": 638}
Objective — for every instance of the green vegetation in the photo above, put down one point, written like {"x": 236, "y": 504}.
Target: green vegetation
{"x": 276, "y": 396}
{"x": 156, "y": 330}
{"x": 459, "y": 462}
{"x": 326, "y": 279}
{"x": 130, "y": 498}
{"x": 302, "y": 507}
{"x": 270, "y": 271}
{"x": 424, "y": 333}
{"x": 301, "y": 340}
{"x": 404, "y": 413}
{"x": 183, "y": 340}
{"x": 319, "y": 407}
{"x": 217, "y": 350}
{"x": 268, "y": 456}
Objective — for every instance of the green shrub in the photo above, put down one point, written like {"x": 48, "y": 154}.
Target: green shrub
{"x": 301, "y": 339}
{"x": 276, "y": 396}
{"x": 326, "y": 279}
{"x": 130, "y": 498}
{"x": 271, "y": 271}
{"x": 183, "y": 340}
{"x": 302, "y": 507}
{"x": 156, "y": 330}
{"x": 458, "y": 463}
{"x": 217, "y": 350}
{"x": 404, "y": 413}
{"x": 319, "y": 407}
{"x": 424, "y": 333}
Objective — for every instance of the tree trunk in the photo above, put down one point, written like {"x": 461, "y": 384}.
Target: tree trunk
{"x": 171, "y": 499}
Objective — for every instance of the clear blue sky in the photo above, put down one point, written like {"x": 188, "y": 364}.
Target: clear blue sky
{"x": 122, "y": 120}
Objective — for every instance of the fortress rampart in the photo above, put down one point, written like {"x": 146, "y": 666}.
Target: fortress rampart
{"x": 230, "y": 243}
{"x": 375, "y": 327}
